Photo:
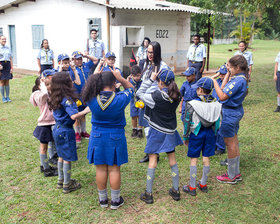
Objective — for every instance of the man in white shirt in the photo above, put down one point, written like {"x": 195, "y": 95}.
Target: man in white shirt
{"x": 196, "y": 56}
{"x": 95, "y": 47}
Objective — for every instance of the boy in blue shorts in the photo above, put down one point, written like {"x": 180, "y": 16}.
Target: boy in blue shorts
{"x": 135, "y": 80}
{"x": 201, "y": 121}
{"x": 186, "y": 91}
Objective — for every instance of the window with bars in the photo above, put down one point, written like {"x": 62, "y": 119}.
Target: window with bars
{"x": 37, "y": 36}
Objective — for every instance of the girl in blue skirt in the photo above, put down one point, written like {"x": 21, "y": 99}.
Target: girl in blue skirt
{"x": 107, "y": 144}
{"x": 163, "y": 136}
{"x": 65, "y": 112}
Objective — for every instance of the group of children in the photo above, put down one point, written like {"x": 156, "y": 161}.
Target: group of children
{"x": 206, "y": 105}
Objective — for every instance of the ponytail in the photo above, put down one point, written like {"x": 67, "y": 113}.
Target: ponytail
{"x": 173, "y": 91}
{"x": 37, "y": 84}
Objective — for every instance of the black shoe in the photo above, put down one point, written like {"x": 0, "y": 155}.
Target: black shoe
{"x": 103, "y": 204}
{"x": 219, "y": 152}
{"x": 134, "y": 133}
{"x": 144, "y": 159}
{"x": 277, "y": 109}
{"x": 116, "y": 205}
{"x": 140, "y": 133}
{"x": 53, "y": 161}
{"x": 174, "y": 194}
{"x": 147, "y": 197}
{"x": 42, "y": 169}
{"x": 202, "y": 188}
{"x": 59, "y": 184}
{"x": 73, "y": 185}
{"x": 50, "y": 172}
{"x": 224, "y": 162}
{"x": 187, "y": 190}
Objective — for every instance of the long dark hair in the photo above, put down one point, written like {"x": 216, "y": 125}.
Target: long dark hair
{"x": 96, "y": 83}
{"x": 173, "y": 91}
{"x": 156, "y": 52}
{"x": 37, "y": 84}
{"x": 43, "y": 43}
{"x": 61, "y": 86}
{"x": 145, "y": 38}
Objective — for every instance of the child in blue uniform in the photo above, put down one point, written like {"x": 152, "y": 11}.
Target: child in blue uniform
{"x": 231, "y": 97}
{"x": 160, "y": 112}
{"x": 135, "y": 79}
{"x": 220, "y": 144}
{"x": 107, "y": 145}
{"x": 201, "y": 121}
{"x": 65, "y": 111}
{"x": 187, "y": 92}
{"x": 277, "y": 80}
{"x": 83, "y": 69}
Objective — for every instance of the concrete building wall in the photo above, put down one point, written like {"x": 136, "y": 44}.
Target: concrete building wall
{"x": 65, "y": 26}
{"x": 170, "y": 29}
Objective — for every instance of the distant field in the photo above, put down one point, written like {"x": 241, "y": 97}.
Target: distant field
{"x": 27, "y": 197}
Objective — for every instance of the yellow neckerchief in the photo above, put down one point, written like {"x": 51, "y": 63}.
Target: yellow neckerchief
{"x": 82, "y": 70}
{"x": 107, "y": 103}
{"x": 196, "y": 46}
{"x": 46, "y": 51}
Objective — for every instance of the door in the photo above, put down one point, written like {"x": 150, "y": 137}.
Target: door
{"x": 12, "y": 34}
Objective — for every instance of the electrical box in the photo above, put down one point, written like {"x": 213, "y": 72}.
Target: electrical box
{"x": 95, "y": 23}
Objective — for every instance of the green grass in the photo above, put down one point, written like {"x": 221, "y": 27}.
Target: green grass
{"x": 27, "y": 197}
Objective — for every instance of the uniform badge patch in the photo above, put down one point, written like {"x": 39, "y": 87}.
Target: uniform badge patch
{"x": 68, "y": 102}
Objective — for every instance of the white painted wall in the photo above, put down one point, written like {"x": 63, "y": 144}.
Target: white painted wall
{"x": 177, "y": 24}
{"x": 65, "y": 26}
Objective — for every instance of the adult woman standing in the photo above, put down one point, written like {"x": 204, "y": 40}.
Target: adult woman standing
{"x": 232, "y": 97}
{"x": 152, "y": 62}
{"x": 247, "y": 54}
{"x": 141, "y": 55}
{"x": 7, "y": 69}
{"x": 45, "y": 58}
{"x": 107, "y": 145}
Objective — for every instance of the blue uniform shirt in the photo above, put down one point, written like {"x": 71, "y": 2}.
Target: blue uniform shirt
{"x": 95, "y": 48}
{"x": 108, "y": 108}
{"x": 83, "y": 72}
{"x": 63, "y": 115}
{"x": 248, "y": 55}
{"x": 236, "y": 90}
{"x": 5, "y": 53}
{"x": 187, "y": 91}
{"x": 136, "y": 86}
{"x": 214, "y": 94}
{"x": 107, "y": 69}
{"x": 46, "y": 56}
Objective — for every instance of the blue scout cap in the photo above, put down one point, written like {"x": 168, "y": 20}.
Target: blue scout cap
{"x": 77, "y": 54}
{"x": 166, "y": 75}
{"x": 62, "y": 57}
{"x": 205, "y": 83}
{"x": 223, "y": 70}
{"x": 190, "y": 71}
{"x": 110, "y": 54}
{"x": 48, "y": 72}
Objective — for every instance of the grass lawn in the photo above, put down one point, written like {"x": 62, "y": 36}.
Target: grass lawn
{"x": 28, "y": 197}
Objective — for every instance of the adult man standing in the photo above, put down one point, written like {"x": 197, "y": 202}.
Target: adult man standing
{"x": 196, "y": 56}
{"x": 95, "y": 47}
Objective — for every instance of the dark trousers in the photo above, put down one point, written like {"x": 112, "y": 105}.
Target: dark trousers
{"x": 197, "y": 66}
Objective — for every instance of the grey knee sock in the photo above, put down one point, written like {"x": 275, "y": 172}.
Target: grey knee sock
{"x": 193, "y": 172}
{"x": 150, "y": 179}
{"x": 231, "y": 167}
{"x": 83, "y": 126}
{"x": 7, "y": 90}
{"x": 44, "y": 161}
{"x": 66, "y": 172}
{"x": 51, "y": 149}
{"x": 206, "y": 170}
{"x": 77, "y": 129}
{"x": 115, "y": 195}
{"x": 278, "y": 100}
{"x": 102, "y": 194}
{"x": 175, "y": 176}
{"x": 237, "y": 170}
{"x": 60, "y": 170}
{"x": 2, "y": 91}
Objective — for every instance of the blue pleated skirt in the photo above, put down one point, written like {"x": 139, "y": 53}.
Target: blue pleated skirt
{"x": 107, "y": 146}
{"x": 158, "y": 142}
